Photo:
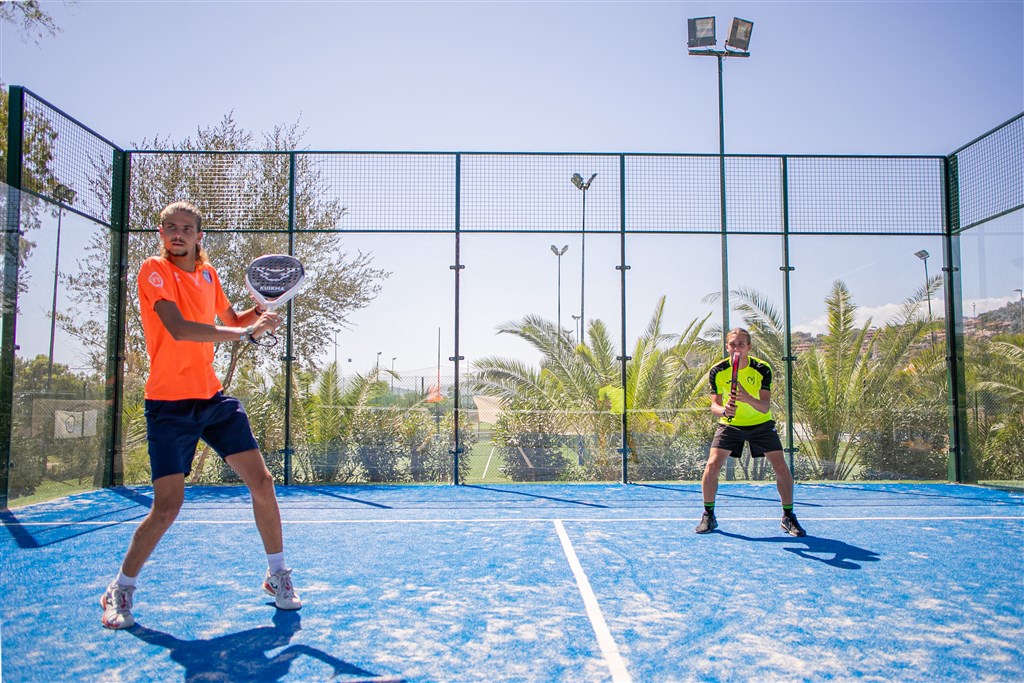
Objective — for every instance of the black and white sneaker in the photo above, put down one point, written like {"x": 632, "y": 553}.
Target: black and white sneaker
{"x": 708, "y": 523}
{"x": 791, "y": 526}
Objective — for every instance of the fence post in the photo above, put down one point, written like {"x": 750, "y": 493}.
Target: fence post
{"x": 788, "y": 355}
{"x": 624, "y": 358}
{"x": 112, "y": 470}
{"x": 289, "y": 357}
{"x": 9, "y": 304}
{"x": 961, "y": 465}
{"x": 456, "y": 446}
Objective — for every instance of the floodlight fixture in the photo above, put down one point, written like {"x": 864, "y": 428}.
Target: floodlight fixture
{"x": 701, "y": 32}
{"x": 739, "y": 34}
{"x": 64, "y": 194}
{"x": 923, "y": 254}
{"x": 577, "y": 180}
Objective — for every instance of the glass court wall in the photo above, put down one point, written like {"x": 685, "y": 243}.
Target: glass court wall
{"x": 479, "y": 318}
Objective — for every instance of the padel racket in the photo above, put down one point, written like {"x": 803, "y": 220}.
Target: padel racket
{"x": 273, "y": 280}
{"x": 734, "y": 382}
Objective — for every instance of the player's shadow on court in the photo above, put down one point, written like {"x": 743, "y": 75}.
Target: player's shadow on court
{"x": 825, "y": 550}
{"x": 242, "y": 656}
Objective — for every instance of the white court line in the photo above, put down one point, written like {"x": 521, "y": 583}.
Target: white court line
{"x": 520, "y": 520}
{"x": 484, "y": 477}
{"x": 604, "y": 636}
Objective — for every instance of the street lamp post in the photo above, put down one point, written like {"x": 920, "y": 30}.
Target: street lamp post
{"x": 577, "y": 180}
{"x": 378, "y": 361}
{"x": 1020, "y": 292}
{"x": 923, "y": 255}
{"x": 393, "y": 373}
{"x": 64, "y": 195}
{"x": 701, "y": 34}
{"x": 559, "y": 252}
{"x": 576, "y": 325}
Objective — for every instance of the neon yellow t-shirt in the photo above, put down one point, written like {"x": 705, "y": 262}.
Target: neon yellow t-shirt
{"x": 755, "y": 377}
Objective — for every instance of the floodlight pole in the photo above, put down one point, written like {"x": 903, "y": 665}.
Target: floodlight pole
{"x": 720, "y": 55}
{"x": 923, "y": 255}
{"x": 559, "y": 252}
{"x": 53, "y": 307}
{"x": 63, "y": 194}
{"x": 721, "y": 184}
{"x": 1021, "y": 299}
{"x": 582, "y": 186}
{"x": 583, "y": 266}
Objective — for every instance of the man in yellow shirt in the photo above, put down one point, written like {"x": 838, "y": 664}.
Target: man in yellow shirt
{"x": 745, "y": 417}
{"x": 180, "y": 296}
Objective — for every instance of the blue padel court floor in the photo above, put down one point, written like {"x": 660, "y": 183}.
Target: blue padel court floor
{"x": 529, "y": 583}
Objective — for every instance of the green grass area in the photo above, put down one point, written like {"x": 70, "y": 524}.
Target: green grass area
{"x": 50, "y": 490}
{"x": 485, "y": 465}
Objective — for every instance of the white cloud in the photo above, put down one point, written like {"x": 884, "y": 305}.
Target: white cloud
{"x": 973, "y": 307}
{"x": 879, "y": 316}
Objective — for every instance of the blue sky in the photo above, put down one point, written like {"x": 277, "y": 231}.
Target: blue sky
{"x": 824, "y": 78}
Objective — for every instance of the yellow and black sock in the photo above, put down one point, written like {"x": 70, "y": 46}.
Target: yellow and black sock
{"x": 787, "y": 510}
{"x": 710, "y": 507}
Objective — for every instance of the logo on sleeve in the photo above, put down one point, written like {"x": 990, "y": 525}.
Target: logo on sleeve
{"x": 156, "y": 280}
{"x": 207, "y": 276}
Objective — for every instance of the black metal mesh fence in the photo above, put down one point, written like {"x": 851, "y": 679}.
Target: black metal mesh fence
{"x": 64, "y": 162}
{"x": 990, "y": 175}
{"x": 402, "y": 192}
{"x": 866, "y": 195}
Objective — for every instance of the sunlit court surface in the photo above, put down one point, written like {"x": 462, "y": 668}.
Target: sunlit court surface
{"x": 894, "y": 582}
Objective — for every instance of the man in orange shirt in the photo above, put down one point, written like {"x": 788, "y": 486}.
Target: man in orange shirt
{"x": 180, "y": 296}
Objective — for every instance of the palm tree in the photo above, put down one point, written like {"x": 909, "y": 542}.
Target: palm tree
{"x": 997, "y": 432}
{"x": 560, "y": 404}
{"x": 358, "y": 432}
{"x": 841, "y": 384}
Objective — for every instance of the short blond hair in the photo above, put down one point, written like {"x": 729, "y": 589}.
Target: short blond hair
{"x": 736, "y": 331}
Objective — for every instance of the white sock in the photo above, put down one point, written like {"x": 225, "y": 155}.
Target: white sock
{"x": 276, "y": 562}
{"x": 126, "y": 580}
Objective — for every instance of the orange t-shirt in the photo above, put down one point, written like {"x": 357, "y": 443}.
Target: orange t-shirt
{"x": 179, "y": 369}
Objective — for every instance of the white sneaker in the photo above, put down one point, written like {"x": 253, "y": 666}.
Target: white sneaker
{"x": 117, "y": 606}
{"x": 279, "y": 584}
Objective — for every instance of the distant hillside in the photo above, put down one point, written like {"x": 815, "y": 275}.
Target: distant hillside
{"x": 1006, "y": 317}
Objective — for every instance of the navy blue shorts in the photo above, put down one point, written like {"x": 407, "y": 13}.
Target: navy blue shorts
{"x": 763, "y": 438}
{"x": 173, "y": 429}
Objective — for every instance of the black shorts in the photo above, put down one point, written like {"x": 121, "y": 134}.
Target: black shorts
{"x": 762, "y": 438}
{"x": 173, "y": 429}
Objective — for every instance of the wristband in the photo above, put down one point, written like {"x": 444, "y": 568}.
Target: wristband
{"x": 247, "y": 334}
